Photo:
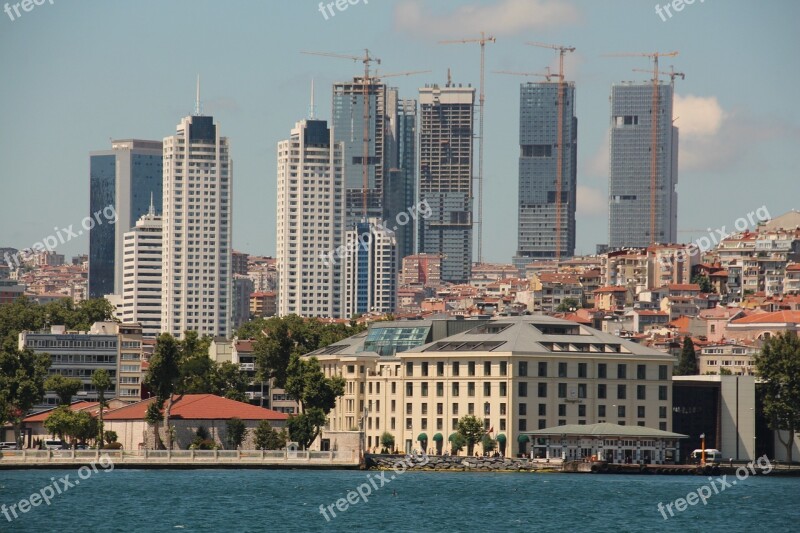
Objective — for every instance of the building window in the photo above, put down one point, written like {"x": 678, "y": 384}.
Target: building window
{"x": 440, "y": 368}
{"x": 662, "y": 372}
{"x": 455, "y": 409}
{"x": 523, "y": 424}
{"x": 562, "y": 390}
{"x": 640, "y": 411}
{"x": 439, "y": 408}
{"x": 522, "y": 389}
{"x": 470, "y": 408}
{"x": 601, "y": 411}
{"x": 662, "y": 392}
{"x": 424, "y": 368}
{"x": 487, "y": 389}
{"x": 662, "y": 411}
{"x": 662, "y": 426}
{"x": 601, "y": 390}
{"x": 542, "y": 423}
{"x": 640, "y": 392}
{"x": 503, "y": 389}
{"x": 455, "y": 423}
{"x": 455, "y": 389}
{"x": 582, "y": 370}
{"x": 621, "y": 392}
{"x": 582, "y": 410}
{"x": 542, "y": 409}
{"x": 455, "y": 368}
{"x": 622, "y": 371}
{"x": 621, "y": 411}
{"x": 409, "y": 369}
{"x": 394, "y": 387}
{"x": 562, "y": 409}
{"x": 502, "y": 424}
{"x": 542, "y": 390}
{"x": 408, "y": 423}
{"x": 471, "y": 368}
{"x": 409, "y": 408}
{"x": 543, "y": 369}
{"x": 562, "y": 370}
{"x": 581, "y": 390}
{"x": 392, "y": 423}
{"x": 409, "y": 389}
{"x": 439, "y": 424}
{"x": 523, "y": 409}
{"x": 523, "y": 368}
{"x": 503, "y": 409}
{"x": 471, "y": 388}
{"x": 503, "y": 368}
{"x": 641, "y": 372}
{"x": 601, "y": 370}
{"x": 487, "y": 368}
{"x": 424, "y": 387}
{"x": 439, "y": 388}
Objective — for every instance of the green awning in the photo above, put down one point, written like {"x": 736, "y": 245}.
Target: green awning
{"x": 452, "y": 436}
{"x": 501, "y": 438}
{"x": 422, "y": 437}
{"x": 438, "y": 437}
{"x": 523, "y": 438}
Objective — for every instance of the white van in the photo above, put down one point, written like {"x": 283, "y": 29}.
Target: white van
{"x": 11, "y": 445}
{"x": 712, "y": 455}
{"x": 54, "y": 445}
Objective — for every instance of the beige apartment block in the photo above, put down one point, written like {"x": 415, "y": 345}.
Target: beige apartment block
{"x": 516, "y": 374}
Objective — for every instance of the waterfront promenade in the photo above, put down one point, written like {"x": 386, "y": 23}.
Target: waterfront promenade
{"x": 16, "y": 459}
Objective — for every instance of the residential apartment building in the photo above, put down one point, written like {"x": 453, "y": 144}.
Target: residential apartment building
{"x": 735, "y": 358}
{"x": 369, "y": 270}
{"x": 422, "y": 269}
{"x": 546, "y": 222}
{"x": 310, "y": 220}
{"x": 632, "y": 200}
{"x": 198, "y": 224}
{"x": 141, "y": 272}
{"x": 121, "y": 181}
{"x": 445, "y": 177}
{"x": 513, "y": 373}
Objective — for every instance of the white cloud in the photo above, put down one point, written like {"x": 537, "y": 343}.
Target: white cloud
{"x": 591, "y": 202}
{"x": 698, "y": 116}
{"x": 504, "y": 17}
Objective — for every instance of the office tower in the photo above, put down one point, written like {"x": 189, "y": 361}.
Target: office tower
{"x": 630, "y": 202}
{"x": 445, "y": 177}
{"x": 243, "y": 287}
{"x": 369, "y": 269}
{"x": 198, "y": 191}
{"x": 539, "y": 234}
{"x": 310, "y": 221}
{"x": 348, "y": 126}
{"x": 401, "y": 188}
{"x": 142, "y": 263}
{"x": 121, "y": 180}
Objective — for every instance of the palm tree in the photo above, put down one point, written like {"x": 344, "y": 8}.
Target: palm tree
{"x": 102, "y": 382}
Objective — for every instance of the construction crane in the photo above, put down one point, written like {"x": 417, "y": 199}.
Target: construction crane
{"x": 562, "y": 51}
{"x": 482, "y": 100}
{"x": 654, "y": 127}
{"x": 546, "y": 75}
{"x": 368, "y": 79}
{"x": 672, "y": 74}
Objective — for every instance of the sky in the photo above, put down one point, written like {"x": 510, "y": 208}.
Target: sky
{"x": 78, "y": 73}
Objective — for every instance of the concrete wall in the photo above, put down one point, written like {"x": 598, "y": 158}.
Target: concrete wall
{"x": 136, "y": 434}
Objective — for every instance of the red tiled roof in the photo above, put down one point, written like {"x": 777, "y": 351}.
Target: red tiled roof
{"x": 793, "y": 268}
{"x": 777, "y": 317}
{"x": 245, "y": 346}
{"x": 199, "y": 407}
{"x": 44, "y": 415}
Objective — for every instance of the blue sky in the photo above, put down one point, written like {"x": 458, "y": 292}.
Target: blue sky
{"x": 76, "y": 74}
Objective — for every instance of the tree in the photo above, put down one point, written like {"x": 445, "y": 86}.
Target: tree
{"x": 60, "y": 422}
{"x": 84, "y": 427}
{"x": 387, "y": 441}
{"x": 64, "y": 423}
{"x": 230, "y": 381}
{"x": 457, "y": 442}
{"x": 102, "y": 382}
{"x": 64, "y": 387}
{"x": 472, "y": 430}
{"x": 110, "y": 436}
{"x": 778, "y": 365}
{"x": 304, "y": 427}
{"x": 704, "y": 282}
{"x": 252, "y": 329}
{"x": 488, "y": 443}
{"x": 153, "y": 416}
{"x": 22, "y": 376}
{"x": 268, "y": 438}
{"x": 235, "y": 432}
{"x": 316, "y": 395}
{"x": 687, "y": 364}
{"x": 163, "y": 377}
{"x": 568, "y": 304}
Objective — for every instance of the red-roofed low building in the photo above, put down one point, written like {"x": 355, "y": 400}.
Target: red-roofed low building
{"x": 761, "y": 326}
{"x": 189, "y": 412}
{"x": 33, "y": 425}
{"x": 791, "y": 279}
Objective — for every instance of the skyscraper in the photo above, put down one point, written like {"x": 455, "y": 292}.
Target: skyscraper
{"x": 445, "y": 177}
{"x": 401, "y": 188}
{"x": 369, "y": 269}
{"x": 632, "y": 200}
{"x": 538, "y": 234}
{"x": 142, "y": 263}
{"x": 123, "y": 178}
{"x": 198, "y": 192}
{"x": 310, "y": 220}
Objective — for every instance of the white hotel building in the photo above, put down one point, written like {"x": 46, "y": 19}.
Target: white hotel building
{"x": 310, "y": 219}
{"x": 141, "y": 274}
{"x": 198, "y": 195}
{"x": 517, "y": 374}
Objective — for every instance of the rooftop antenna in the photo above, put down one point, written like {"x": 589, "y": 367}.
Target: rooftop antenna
{"x": 449, "y": 78}
{"x": 197, "y": 108}
{"x": 152, "y": 210}
{"x": 312, "y": 108}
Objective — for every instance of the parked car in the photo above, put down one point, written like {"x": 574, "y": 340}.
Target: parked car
{"x": 54, "y": 445}
{"x": 9, "y": 446}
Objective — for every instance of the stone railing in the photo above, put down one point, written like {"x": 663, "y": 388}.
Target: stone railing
{"x": 459, "y": 463}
